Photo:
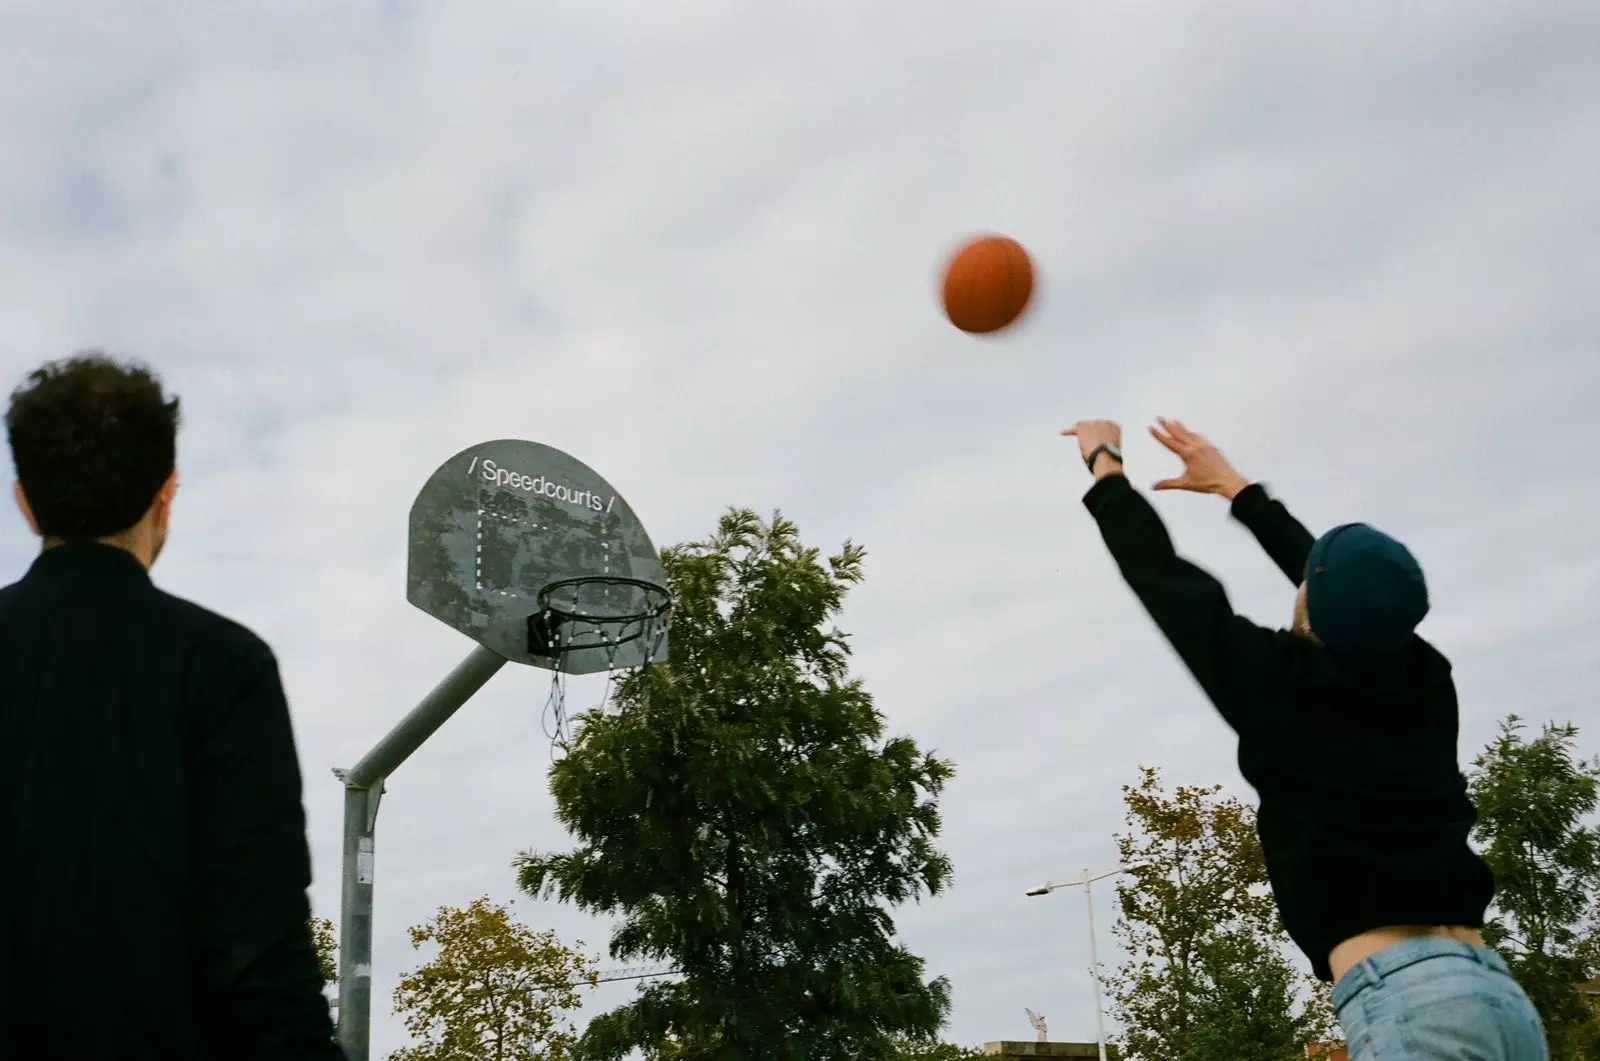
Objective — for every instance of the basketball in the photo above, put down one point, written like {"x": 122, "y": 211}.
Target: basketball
{"x": 987, "y": 284}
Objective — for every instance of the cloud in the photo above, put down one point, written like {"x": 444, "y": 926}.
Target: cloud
{"x": 697, "y": 250}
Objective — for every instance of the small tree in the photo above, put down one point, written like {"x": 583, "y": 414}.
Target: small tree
{"x": 742, "y": 813}
{"x": 1533, "y": 798}
{"x": 495, "y": 991}
{"x": 327, "y": 944}
{"x": 1208, "y": 979}
{"x": 1248, "y": 1007}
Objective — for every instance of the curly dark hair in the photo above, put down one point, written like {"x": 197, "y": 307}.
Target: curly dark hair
{"x": 93, "y": 440}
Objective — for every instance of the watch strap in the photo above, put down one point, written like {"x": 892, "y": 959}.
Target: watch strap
{"x": 1104, "y": 447}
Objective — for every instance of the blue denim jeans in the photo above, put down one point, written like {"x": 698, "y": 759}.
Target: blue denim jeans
{"x": 1435, "y": 999}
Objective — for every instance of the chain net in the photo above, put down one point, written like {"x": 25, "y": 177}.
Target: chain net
{"x": 595, "y": 613}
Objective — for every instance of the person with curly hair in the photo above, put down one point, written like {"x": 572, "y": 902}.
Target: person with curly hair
{"x": 154, "y": 899}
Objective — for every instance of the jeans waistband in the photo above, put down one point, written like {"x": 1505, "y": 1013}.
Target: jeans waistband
{"x": 1372, "y": 970}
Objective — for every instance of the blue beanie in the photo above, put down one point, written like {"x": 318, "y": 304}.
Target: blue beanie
{"x": 1364, "y": 591}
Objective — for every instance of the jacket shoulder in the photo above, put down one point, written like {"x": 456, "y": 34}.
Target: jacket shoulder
{"x": 209, "y": 629}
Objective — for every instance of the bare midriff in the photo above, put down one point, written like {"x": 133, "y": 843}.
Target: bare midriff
{"x": 1347, "y": 954}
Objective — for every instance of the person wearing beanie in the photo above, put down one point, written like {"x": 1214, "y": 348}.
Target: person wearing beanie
{"x": 1364, "y": 591}
{"x": 1347, "y": 725}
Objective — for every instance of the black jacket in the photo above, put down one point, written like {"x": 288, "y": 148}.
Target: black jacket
{"x": 153, "y": 902}
{"x": 1364, "y": 812}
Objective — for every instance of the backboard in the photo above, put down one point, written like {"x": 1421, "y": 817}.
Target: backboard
{"x": 501, "y": 521}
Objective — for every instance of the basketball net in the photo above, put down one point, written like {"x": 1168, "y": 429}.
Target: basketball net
{"x": 612, "y": 634}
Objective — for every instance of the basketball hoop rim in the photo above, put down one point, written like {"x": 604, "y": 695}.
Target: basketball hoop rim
{"x": 648, "y": 587}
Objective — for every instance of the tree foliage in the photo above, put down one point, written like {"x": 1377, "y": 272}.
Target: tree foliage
{"x": 327, "y": 944}
{"x": 934, "y": 1050}
{"x": 742, "y": 813}
{"x": 1250, "y": 1004}
{"x": 1533, "y": 797}
{"x": 495, "y": 991}
{"x": 1207, "y": 978}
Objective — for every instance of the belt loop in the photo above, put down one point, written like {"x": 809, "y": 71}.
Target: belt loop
{"x": 1369, "y": 973}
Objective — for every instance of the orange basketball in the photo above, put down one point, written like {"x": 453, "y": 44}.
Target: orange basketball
{"x": 987, "y": 284}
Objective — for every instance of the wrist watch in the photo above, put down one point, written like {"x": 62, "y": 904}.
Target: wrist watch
{"x": 1110, "y": 450}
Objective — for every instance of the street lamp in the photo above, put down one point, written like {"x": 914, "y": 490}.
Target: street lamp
{"x": 1086, "y": 881}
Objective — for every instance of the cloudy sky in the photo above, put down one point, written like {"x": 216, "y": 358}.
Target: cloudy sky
{"x": 694, "y": 243}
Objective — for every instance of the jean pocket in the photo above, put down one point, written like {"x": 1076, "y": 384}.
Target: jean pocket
{"x": 1464, "y": 1027}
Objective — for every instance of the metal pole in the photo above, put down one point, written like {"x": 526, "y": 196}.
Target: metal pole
{"x": 1087, "y": 880}
{"x": 1094, "y": 967}
{"x": 363, "y": 788}
{"x": 355, "y": 923}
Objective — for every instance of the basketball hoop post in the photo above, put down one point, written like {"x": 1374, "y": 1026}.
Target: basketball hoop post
{"x": 534, "y": 556}
{"x": 363, "y": 788}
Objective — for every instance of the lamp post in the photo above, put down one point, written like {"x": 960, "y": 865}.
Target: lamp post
{"x": 1087, "y": 881}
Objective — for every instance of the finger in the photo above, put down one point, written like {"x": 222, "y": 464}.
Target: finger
{"x": 1176, "y": 444}
{"x": 1071, "y": 431}
{"x": 1169, "y": 484}
{"x": 1176, "y": 429}
{"x": 1165, "y": 439}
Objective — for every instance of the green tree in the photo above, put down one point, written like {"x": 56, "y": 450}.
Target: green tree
{"x": 933, "y": 1050}
{"x": 1248, "y": 1006}
{"x": 1533, "y": 798}
{"x": 743, "y": 815}
{"x": 1587, "y": 948}
{"x": 495, "y": 991}
{"x": 1207, "y": 979}
{"x": 327, "y": 949}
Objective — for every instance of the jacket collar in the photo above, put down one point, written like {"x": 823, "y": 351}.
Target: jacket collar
{"x": 87, "y": 559}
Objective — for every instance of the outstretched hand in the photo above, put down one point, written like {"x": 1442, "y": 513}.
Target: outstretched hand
{"x": 1205, "y": 469}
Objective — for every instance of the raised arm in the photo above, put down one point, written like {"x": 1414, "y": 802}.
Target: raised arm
{"x": 1233, "y": 659}
{"x": 1207, "y": 471}
{"x": 1284, "y": 538}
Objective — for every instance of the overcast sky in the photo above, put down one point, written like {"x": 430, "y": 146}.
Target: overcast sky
{"x": 695, "y": 245}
